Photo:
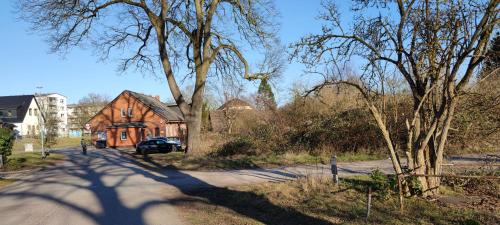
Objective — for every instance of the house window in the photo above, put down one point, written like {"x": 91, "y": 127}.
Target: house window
{"x": 61, "y": 101}
{"x": 123, "y": 135}
{"x": 1, "y": 113}
{"x": 36, "y": 112}
{"x": 31, "y": 112}
{"x": 101, "y": 135}
{"x": 130, "y": 112}
{"x": 62, "y": 115}
{"x": 122, "y": 112}
{"x": 157, "y": 131}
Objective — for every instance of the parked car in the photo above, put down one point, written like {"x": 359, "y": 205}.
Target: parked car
{"x": 156, "y": 146}
{"x": 171, "y": 140}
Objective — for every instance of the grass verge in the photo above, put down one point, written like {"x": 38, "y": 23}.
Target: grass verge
{"x": 5, "y": 182}
{"x": 318, "y": 200}
{"x": 30, "y": 160}
{"x": 206, "y": 162}
{"x": 61, "y": 143}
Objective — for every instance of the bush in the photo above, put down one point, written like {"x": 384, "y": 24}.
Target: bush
{"x": 380, "y": 183}
{"x": 6, "y": 143}
{"x": 239, "y": 146}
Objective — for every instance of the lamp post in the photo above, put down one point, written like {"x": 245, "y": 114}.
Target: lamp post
{"x": 41, "y": 120}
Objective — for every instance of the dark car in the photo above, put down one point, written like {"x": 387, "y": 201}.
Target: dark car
{"x": 155, "y": 146}
{"x": 171, "y": 140}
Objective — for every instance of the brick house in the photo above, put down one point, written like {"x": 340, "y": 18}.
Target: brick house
{"x": 132, "y": 117}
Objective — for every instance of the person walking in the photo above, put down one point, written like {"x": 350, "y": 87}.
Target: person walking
{"x": 84, "y": 146}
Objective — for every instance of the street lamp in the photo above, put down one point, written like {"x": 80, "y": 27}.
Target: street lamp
{"x": 41, "y": 120}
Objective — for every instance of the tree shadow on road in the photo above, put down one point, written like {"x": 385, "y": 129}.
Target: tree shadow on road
{"x": 92, "y": 173}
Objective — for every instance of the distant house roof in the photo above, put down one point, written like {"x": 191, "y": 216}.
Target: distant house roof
{"x": 47, "y": 94}
{"x": 18, "y": 103}
{"x": 235, "y": 103}
{"x": 170, "y": 112}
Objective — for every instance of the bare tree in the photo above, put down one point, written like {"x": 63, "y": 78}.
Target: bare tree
{"x": 436, "y": 46}
{"x": 203, "y": 36}
{"x": 86, "y": 108}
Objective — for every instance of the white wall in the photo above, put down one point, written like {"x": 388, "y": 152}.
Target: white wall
{"x": 61, "y": 109}
{"x": 29, "y": 120}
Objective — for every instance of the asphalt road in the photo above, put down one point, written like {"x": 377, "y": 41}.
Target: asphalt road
{"x": 104, "y": 187}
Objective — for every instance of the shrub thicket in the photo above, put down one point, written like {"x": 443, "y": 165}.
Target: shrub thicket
{"x": 6, "y": 143}
{"x": 337, "y": 121}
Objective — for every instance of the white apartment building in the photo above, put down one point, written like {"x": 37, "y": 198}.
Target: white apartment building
{"x": 56, "y": 105}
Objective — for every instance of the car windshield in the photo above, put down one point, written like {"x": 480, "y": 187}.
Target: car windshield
{"x": 160, "y": 142}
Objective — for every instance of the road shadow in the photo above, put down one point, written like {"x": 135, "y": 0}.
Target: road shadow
{"x": 92, "y": 173}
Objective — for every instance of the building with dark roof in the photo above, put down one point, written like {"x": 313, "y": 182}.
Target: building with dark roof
{"x": 22, "y": 113}
{"x": 132, "y": 117}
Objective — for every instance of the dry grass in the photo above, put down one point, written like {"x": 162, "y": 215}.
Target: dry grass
{"x": 179, "y": 160}
{"x": 329, "y": 204}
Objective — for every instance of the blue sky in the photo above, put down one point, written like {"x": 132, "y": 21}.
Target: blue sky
{"x": 26, "y": 63}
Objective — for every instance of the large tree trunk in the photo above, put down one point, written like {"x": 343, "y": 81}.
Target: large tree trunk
{"x": 193, "y": 136}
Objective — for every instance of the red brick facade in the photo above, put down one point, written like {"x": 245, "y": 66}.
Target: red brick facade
{"x": 127, "y": 120}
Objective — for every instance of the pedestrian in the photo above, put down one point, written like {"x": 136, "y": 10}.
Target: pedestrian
{"x": 84, "y": 146}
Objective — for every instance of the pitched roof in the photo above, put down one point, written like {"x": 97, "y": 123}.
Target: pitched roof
{"x": 235, "y": 103}
{"x": 19, "y": 103}
{"x": 170, "y": 112}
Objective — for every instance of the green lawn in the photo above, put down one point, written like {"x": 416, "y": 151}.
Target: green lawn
{"x": 30, "y": 160}
{"x": 206, "y": 162}
{"x": 61, "y": 143}
{"x": 316, "y": 201}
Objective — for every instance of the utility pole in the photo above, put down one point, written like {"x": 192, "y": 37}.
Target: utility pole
{"x": 41, "y": 121}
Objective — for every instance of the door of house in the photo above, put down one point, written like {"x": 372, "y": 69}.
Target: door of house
{"x": 157, "y": 132}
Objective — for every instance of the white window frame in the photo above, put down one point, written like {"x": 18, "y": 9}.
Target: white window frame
{"x": 122, "y": 112}
{"x": 121, "y": 135}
